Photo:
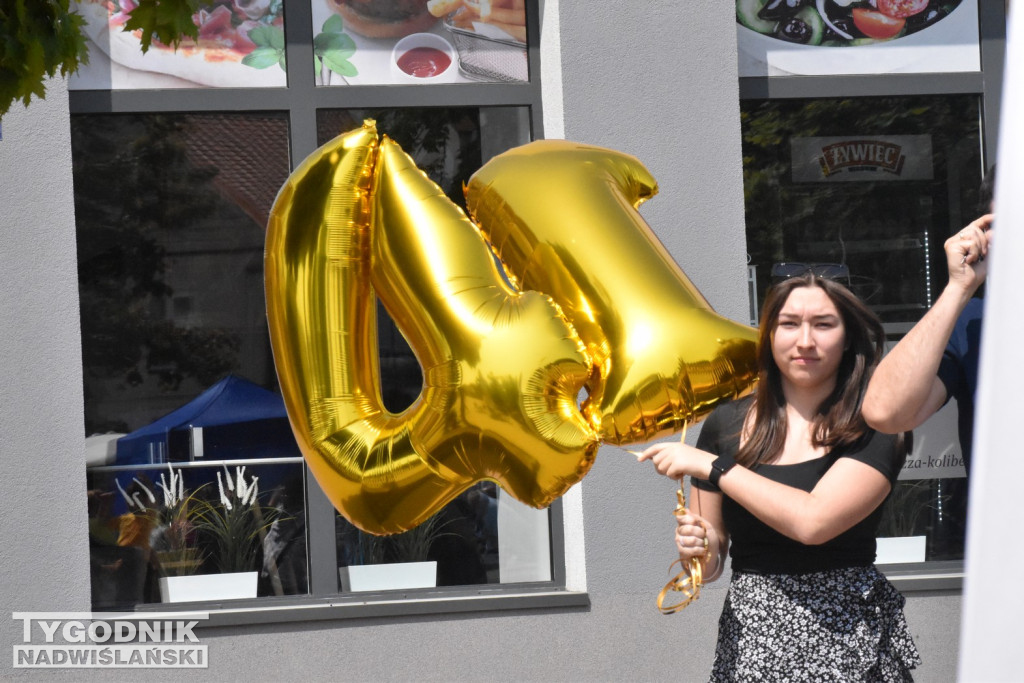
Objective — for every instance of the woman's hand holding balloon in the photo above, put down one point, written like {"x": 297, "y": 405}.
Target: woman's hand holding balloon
{"x": 692, "y": 536}
{"x": 677, "y": 460}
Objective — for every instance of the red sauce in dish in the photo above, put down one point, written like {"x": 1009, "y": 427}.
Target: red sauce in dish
{"x": 424, "y": 62}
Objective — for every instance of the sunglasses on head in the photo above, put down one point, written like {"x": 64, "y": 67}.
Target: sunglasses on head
{"x": 828, "y": 271}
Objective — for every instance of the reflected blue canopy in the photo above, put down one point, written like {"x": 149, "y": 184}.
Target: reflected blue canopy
{"x": 239, "y": 420}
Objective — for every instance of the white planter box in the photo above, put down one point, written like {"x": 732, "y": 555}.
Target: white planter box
{"x": 381, "y": 577}
{"x": 228, "y": 586}
{"x": 900, "y": 549}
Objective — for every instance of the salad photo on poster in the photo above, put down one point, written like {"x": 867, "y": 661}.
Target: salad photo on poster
{"x": 419, "y": 42}
{"x": 845, "y": 37}
{"x": 240, "y": 45}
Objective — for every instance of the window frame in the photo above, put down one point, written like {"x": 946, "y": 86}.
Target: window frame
{"x": 987, "y": 85}
{"x": 300, "y": 100}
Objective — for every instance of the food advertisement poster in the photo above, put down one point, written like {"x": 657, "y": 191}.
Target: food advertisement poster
{"x": 355, "y": 42}
{"x": 846, "y": 37}
{"x": 241, "y": 45}
{"x": 419, "y": 42}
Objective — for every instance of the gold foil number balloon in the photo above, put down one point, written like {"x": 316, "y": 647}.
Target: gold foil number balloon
{"x": 597, "y": 302}
{"x": 502, "y": 368}
{"x": 562, "y": 218}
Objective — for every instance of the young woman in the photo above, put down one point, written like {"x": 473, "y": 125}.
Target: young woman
{"x": 795, "y": 480}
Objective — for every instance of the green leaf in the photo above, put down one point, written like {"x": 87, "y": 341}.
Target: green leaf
{"x": 334, "y": 24}
{"x": 340, "y": 65}
{"x": 276, "y": 37}
{"x": 328, "y": 42}
{"x": 37, "y": 40}
{"x": 169, "y": 21}
{"x": 267, "y": 35}
{"x": 262, "y": 58}
{"x": 261, "y": 35}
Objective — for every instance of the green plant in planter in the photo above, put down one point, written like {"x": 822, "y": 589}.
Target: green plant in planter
{"x": 414, "y": 545}
{"x": 235, "y": 526}
{"x": 410, "y": 546}
{"x": 170, "y": 525}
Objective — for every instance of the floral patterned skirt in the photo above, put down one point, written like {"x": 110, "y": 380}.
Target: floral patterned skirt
{"x": 835, "y": 625}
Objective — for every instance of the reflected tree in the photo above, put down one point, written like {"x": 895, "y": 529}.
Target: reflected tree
{"x": 444, "y": 142}
{"x": 135, "y": 187}
{"x": 781, "y": 213}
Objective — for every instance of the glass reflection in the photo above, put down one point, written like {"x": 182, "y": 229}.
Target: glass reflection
{"x": 886, "y": 225}
{"x": 461, "y": 540}
{"x": 868, "y": 189}
{"x": 171, "y": 212}
{"x": 449, "y": 145}
{"x": 151, "y": 525}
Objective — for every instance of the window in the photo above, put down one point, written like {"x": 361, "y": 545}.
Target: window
{"x": 861, "y": 156}
{"x": 175, "y": 172}
{"x": 867, "y": 190}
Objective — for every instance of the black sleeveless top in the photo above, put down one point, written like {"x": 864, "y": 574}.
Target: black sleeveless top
{"x": 758, "y": 548}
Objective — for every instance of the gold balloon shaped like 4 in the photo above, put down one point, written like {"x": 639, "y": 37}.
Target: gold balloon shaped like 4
{"x": 563, "y": 219}
{"x": 502, "y": 368}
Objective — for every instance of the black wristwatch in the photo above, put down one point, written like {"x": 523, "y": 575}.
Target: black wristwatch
{"x": 720, "y": 466}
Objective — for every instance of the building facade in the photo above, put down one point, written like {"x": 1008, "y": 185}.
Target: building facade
{"x": 655, "y": 80}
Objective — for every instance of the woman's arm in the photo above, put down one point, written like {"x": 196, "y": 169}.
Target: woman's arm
{"x": 847, "y": 494}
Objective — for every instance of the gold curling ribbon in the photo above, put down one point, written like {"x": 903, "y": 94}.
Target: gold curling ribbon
{"x": 689, "y": 580}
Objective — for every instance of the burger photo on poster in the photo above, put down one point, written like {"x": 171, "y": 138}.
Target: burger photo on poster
{"x": 384, "y": 18}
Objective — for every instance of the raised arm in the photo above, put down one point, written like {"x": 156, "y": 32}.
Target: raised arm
{"x": 905, "y": 389}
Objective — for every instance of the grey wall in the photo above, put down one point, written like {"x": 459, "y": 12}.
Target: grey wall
{"x": 643, "y": 78}
{"x": 44, "y": 562}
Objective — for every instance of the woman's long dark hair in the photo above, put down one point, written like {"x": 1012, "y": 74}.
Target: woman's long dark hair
{"x": 838, "y": 421}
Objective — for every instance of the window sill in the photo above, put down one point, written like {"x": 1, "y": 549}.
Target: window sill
{"x": 368, "y": 606}
{"x": 926, "y": 576}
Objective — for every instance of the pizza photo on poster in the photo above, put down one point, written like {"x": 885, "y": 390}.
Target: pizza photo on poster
{"x": 418, "y": 42}
{"x": 846, "y": 37}
{"x": 240, "y": 45}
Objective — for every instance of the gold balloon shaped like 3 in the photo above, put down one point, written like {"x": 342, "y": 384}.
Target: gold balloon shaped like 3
{"x": 562, "y": 217}
{"x": 502, "y": 368}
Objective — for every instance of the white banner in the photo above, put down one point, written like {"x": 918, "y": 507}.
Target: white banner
{"x": 936, "y": 451}
{"x": 932, "y": 40}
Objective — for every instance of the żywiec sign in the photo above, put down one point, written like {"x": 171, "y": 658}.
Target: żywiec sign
{"x": 862, "y": 158}
{"x": 855, "y": 155}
